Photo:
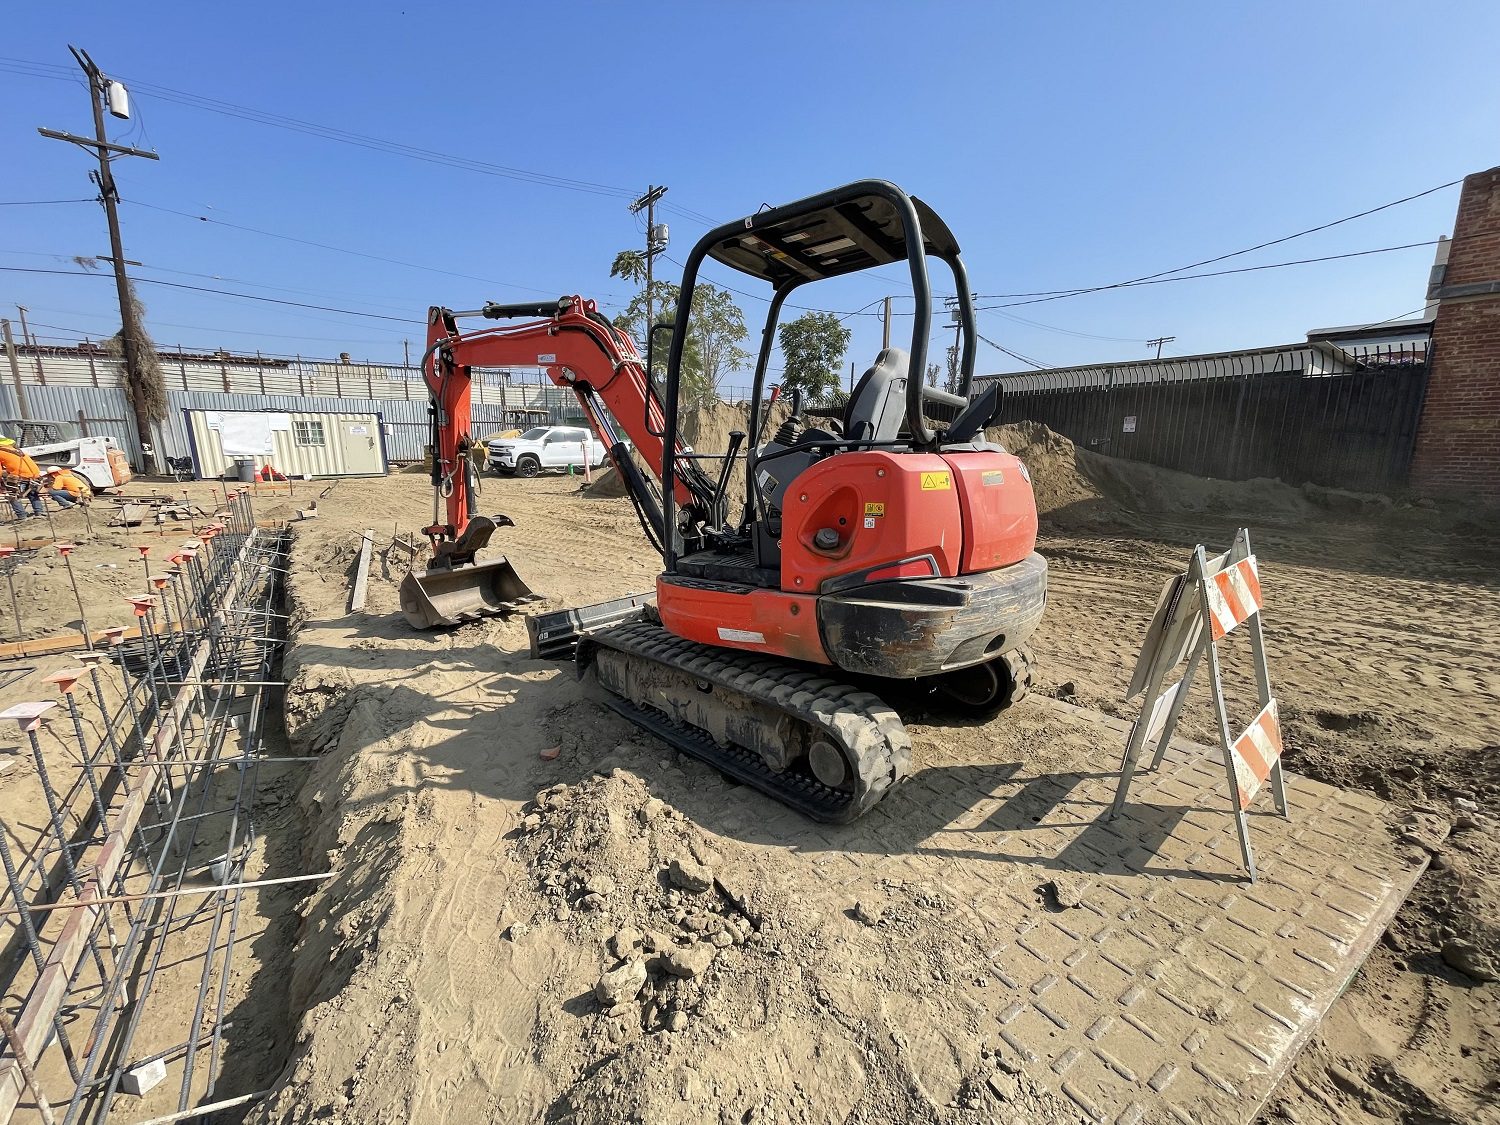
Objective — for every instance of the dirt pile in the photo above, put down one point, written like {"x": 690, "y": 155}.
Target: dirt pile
{"x": 1076, "y": 487}
{"x": 707, "y": 430}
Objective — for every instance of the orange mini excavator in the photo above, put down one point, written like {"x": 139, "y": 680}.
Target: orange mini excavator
{"x": 880, "y": 544}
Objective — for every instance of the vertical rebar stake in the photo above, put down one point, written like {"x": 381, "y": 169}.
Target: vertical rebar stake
{"x": 66, "y": 550}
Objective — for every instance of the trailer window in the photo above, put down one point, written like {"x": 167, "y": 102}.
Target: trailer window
{"x": 307, "y": 433}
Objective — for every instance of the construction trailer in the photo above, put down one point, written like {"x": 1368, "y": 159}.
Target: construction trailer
{"x": 295, "y": 443}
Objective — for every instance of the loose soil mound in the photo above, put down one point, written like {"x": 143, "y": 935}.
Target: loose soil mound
{"x": 1075, "y": 487}
{"x": 707, "y": 431}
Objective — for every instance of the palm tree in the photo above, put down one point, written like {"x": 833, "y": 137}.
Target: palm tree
{"x": 629, "y": 264}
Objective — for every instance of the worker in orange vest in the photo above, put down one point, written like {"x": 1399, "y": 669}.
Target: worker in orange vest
{"x": 66, "y": 487}
{"x": 22, "y": 479}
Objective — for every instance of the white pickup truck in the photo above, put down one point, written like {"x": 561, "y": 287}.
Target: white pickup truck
{"x": 546, "y": 447}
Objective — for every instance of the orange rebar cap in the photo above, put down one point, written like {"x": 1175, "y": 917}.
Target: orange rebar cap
{"x": 143, "y": 605}
{"x": 29, "y": 715}
{"x": 65, "y": 679}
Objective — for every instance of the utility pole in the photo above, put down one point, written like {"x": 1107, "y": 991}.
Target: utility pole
{"x": 106, "y": 92}
{"x": 654, "y": 244}
{"x": 1158, "y": 342}
{"x": 885, "y": 320}
{"x": 15, "y": 368}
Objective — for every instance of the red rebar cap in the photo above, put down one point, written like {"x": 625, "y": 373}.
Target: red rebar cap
{"x": 175, "y": 560}
{"x": 66, "y": 548}
{"x": 6, "y": 552}
{"x": 29, "y": 715}
{"x": 89, "y": 659}
{"x": 142, "y": 606}
{"x": 143, "y": 548}
{"x": 115, "y": 635}
{"x": 65, "y": 679}
{"x": 160, "y": 580}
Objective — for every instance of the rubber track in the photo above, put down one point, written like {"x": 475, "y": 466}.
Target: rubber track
{"x": 871, "y": 734}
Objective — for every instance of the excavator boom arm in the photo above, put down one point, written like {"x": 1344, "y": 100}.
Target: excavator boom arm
{"x": 580, "y": 351}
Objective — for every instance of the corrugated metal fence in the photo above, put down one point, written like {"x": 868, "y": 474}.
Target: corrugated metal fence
{"x": 73, "y": 385}
{"x": 1345, "y": 418}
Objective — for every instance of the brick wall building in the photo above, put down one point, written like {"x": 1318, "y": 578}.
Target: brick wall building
{"x": 1458, "y": 439}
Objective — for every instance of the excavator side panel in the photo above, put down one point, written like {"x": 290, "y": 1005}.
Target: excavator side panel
{"x": 874, "y": 509}
{"x": 999, "y": 510}
{"x": 743, "y": 617}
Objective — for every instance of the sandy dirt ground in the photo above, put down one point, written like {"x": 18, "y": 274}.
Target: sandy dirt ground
{"x": 500, "y": 837}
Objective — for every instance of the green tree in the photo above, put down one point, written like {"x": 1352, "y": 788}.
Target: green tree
{"x": 813, "y": 347}
{"x": 715, "y": 329}
{"x": 712, "y": 350}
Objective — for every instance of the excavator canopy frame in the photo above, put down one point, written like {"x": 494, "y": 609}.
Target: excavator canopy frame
{"x": 860, "y": 226}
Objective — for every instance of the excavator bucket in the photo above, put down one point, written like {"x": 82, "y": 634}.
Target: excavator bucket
{"x": 432, "y": 599}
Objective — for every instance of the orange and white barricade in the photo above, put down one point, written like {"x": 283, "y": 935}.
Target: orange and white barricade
{"x": 1198, "y": 609}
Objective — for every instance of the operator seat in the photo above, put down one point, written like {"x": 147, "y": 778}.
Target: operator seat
{"x": 877, "y": 407}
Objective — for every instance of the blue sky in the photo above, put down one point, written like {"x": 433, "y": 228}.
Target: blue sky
{"x": 1066, "y": 145}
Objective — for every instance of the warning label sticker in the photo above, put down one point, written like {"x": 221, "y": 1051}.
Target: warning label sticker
{"x": 994, "y": 476}
{"x": 936, "y": 482}
{"x": 869, "y": 521}
{"x": 874, "y": 509}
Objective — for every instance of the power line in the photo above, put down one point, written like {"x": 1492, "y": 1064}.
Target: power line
{"x": 1068, "y": 331}
{"x": 209, "y": 328}
{"x": 1233, "y": 253}
{"x": 42, "y": 202}
{"x": 339, "y": 249}
{"x": 222, "y": 278}
{"x": 1212, "y": 273}
{"x": 1038, "y": 364}
{"x": 202, "y": 102}
{"x": 222, "y": 293}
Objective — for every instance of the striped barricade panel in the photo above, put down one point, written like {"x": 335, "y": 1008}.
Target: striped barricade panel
{"x": 1233, "y": 595}
{"x": 1255, "y": 752}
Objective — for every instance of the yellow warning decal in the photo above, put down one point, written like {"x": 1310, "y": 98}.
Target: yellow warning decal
{"x": 874, "y": 509}
{"x": 936, "y": 482}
